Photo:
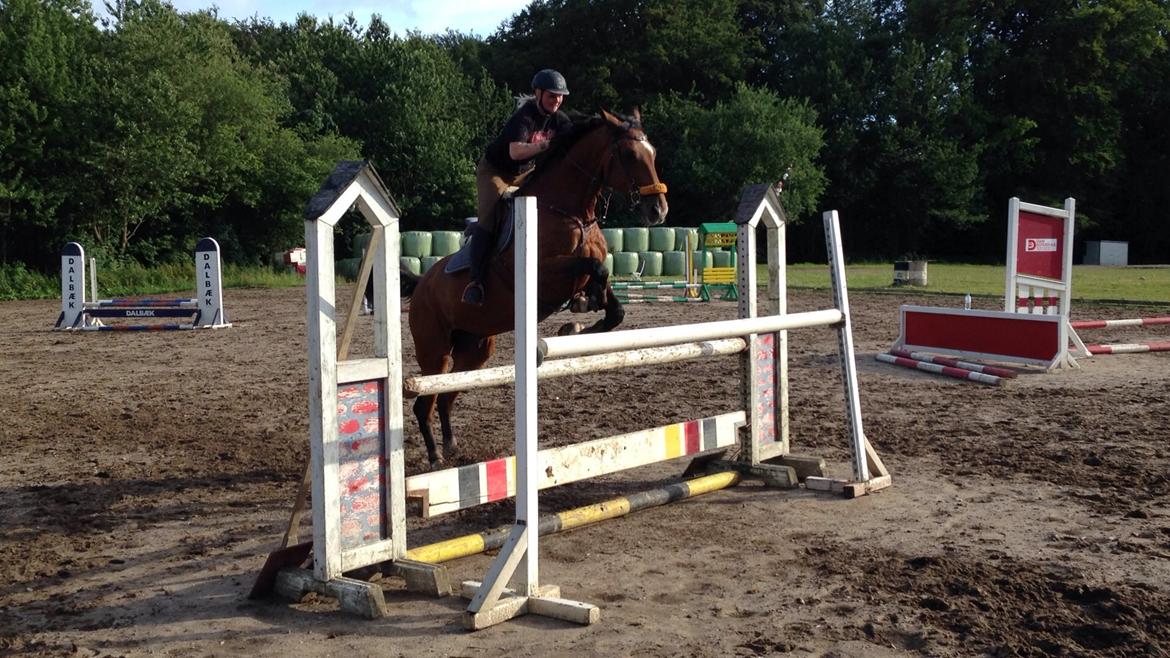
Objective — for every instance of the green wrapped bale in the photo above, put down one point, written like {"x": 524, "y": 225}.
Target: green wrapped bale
{"x": 444, "y": 243}
{"x": 703, "y": 260}
{"x": 636, "y": 239}
{"x": 674, "y": 263}
{"x": 680, "y": 238}
{"x": 411, "y": 264}
{"x": 426, "y": 262}
{"x": 416, "y": 243}
{"x": 662, "y": 239}
{"x": 609, "y": 263}
{"x": 723, "y": 259}
{"x": 651, "y": 263}
{"x": 624, "y": 263}
{"x": 613, "y": 238}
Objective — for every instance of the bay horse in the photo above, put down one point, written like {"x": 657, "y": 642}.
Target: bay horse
{"x": 599, "y": 152}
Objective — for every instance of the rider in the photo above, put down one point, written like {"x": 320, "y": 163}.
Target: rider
{"x": 507, "y": 160}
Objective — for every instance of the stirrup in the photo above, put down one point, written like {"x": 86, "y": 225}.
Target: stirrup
{"x": 473, "y": 294}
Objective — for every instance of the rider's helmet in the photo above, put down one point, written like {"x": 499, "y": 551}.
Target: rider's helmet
{"x": 550, "y": 81}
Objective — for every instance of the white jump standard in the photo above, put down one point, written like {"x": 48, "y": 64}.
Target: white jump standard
{"x": 204, "y": 312}
{"x": 359, "y": 489}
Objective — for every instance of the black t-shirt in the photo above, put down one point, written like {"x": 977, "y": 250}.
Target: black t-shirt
{"x": 530, "y": 125}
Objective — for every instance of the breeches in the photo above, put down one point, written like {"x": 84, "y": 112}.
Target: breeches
{"x": 490, "y": 184}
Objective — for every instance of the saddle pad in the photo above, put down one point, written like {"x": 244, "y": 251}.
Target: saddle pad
{"x": 461, "y": 260}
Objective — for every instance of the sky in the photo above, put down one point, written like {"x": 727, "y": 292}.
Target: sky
{"x": 481, "y": 17}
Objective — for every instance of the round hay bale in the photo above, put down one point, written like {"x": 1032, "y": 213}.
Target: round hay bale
{"x": 651, "y": 263}
{"x": 444, "y": 243}
{"x": 613, "y": 238}
{"x": 674, "y": 263}
{"x": 702, "y": 260}
{"x": 416, "y": 243}
{"x": 636, "y": 239}
{"x": 723, "y": 259}
{"x": 662, "y": 239}
{"x": 411, "y": 264}
{"x": 681, "y": 234}
{"x": 625, "y": 263}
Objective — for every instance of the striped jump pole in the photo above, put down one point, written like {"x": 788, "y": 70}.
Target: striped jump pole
{"x": 489, "y": 540}
{"x": 1130, "y": 348}
{"x": 654, "y": 285}
{"x": 658, "y": 299}
{"x": 957, "y": 373}
{"x": 955, "y": 363}
{"x": 453, "y": 489}
{"x": 1132, "y": 322}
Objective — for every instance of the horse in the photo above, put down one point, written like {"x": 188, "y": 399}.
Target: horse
{"x": 598, "y": 152}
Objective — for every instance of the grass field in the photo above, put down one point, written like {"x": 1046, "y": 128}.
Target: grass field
{"x": 1147, "y": 285}
{"x": 1138, "y": 284}
{"x": 1090, "y": 282}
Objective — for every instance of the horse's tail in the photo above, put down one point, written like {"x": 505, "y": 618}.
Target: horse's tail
{"x": 407, "y": 282}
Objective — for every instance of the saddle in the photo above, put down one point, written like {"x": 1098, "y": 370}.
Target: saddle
{"x": 461, "y": 260}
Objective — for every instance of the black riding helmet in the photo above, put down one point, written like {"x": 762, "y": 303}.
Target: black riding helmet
{"x": 550, "y": 81}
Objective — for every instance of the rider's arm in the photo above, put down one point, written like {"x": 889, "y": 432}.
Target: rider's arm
{"x": 521, "y": 151}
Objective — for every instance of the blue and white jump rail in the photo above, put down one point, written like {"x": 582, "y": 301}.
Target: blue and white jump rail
{"x": 203, "y": 312}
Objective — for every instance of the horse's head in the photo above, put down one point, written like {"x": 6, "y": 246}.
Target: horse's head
{"x": 631, "y": 167}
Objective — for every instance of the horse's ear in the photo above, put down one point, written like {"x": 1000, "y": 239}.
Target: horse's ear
{"x": 609, "y": 117}
{"x": 637, "y": 114}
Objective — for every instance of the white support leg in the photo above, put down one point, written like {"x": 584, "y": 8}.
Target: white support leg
{"x": 845, "y": 346}
{"x": 492, "y": 602}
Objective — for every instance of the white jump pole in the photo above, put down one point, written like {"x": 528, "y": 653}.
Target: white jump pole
{"x": 582, "y": 344}
{"x": 501, "y": 375}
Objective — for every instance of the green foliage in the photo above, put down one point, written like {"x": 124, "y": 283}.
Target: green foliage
{"x": 421, "y": 116}
{"x": 46, "y": 73}
{"x": 708, "y": 155}
{"x": 17, "y": 282}
{"x": 620, "y": 53}
{"x": 916, "y": 120}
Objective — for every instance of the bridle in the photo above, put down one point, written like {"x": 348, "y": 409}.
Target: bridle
{"x": 636, "y": 191}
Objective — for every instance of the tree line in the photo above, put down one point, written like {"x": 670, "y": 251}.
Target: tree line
{"x": 140, "y": 133}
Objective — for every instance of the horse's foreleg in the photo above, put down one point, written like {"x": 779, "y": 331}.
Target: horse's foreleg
{"x": 446, "y": 401}
{"x": 614, "y": 314}
{"x": 596, "y": 295}
{"x": 424, "y": 408}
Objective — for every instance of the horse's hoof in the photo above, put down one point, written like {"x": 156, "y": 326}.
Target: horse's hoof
{"x": 570, "y": 329}
{"x": 580, "y": 304}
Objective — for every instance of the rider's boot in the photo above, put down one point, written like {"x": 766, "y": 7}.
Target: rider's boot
{"x": 481, "y": 246}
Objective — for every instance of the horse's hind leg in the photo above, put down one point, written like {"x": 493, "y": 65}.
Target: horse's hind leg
{"x": 433, "y": 352}
{"x": 470, "y": 353}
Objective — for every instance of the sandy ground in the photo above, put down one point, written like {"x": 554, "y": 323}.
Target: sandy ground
{"x": 146, "y": 477}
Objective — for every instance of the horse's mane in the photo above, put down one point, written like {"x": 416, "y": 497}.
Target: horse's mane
{"x": 581, "y": 125}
